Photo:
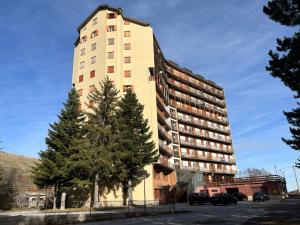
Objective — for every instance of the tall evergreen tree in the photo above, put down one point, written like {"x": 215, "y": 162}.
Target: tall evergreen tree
{"x": 135, "y": 145}
{"x": 285, "y": 61}
{"x": 100, "y": 148}
{"x": 53, "y": 169}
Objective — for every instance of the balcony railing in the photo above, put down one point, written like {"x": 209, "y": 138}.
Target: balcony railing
{"x": 207, "y": 158}
{"x": 164, "y": 133}
{"x": 165, "y": 163}
{"x": 191, "y": 110}
{"x": 162, "y": 103}
{"x": 197, "y": 93}
{"x": 203, "y": 124}
{"x": 209, "y": 170}
{"x": 165, "y": 148}
{"x": 163, "y": 119}
{"x": 205, "y": 147}
{"x": 205, "y": 135}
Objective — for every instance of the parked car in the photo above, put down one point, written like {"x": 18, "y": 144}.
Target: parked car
{"x": 223, "y": 199}
{"x": 200, "y": 198}
{"x": 240, "y": 196}
{"x": 260, "y": 196}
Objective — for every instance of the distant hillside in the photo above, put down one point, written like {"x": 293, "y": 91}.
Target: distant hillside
{"x": 22, "y": 164}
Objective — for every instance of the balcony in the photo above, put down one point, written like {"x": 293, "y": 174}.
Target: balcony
{"x": 196, "y": 93}
{"x": 165, "y": 164}
{"x": 195, "y": 83}
{"x": 207, "y": 158}
{"x": 162, "y": 104}
{"x": 165, "y": 148}
{"x": 164, "y": 133}
{"x": 205, "y": 136}
{"x": 204, "y": 147}
{"x": 191, "y": 110}
{"x": 163, "y": 119}
{"x": 209, "y": 170}
{"x": 204, "y": 125}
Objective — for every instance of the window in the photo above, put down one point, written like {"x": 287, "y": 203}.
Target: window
{"x": 111, "y": 28}
{"x": 94, "y": 33}
{"x": 92, "y": 74}
{"x": 80, "y": 78}
{"x": 111, "y": 15}
{"x": 81, "y": 65}
{"x": 127, "y": 88}
{"x": 92, "y": 88}
{"x": 127, "y": 73}
{"x": 110, "y": 69}
{"x": 126, "y": 33}
{"x": 91, "y": 104}
{"x": 93, "y": 59}
{"x": 127, "y": 46}
{"x": 127, "y": 59}
{"x": 82, "y": 51}
{"x": 110, "y": 55}
{"x": 83, "y": 39}
{"x": 111, "y": 41}
{"x": 95, "y": 21}
{"x": 93, "y": 46}
{"x": 79, "y": 92}
{"x": 126, "y": 22}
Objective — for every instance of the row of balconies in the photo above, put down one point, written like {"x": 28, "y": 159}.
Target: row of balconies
{"x": 205, "y": 135}
{"x": 162, "y": 117}
{"x": 207, "y": 158}
{"x": 205, "y": 147}
{"x": 164, "y": 133}
{"x": 199, "y": 103}
{"x": 203, "y": 124}
{"x": 209, "y": 170}
{"x": 196, "y": 112}
{"x": 162, "y": 161}
{"x": 162, "y": 104}
{"x": 196, "y": 93}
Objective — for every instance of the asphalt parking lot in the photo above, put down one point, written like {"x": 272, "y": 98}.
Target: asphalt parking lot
{"x": 245, "y": 213}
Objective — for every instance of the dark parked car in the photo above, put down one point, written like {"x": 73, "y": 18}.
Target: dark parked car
{"x": 239, "y": 196}
{"x": 260, "y": 196}
{"x": 223, "y": 199}
{"x": 200, "y": 198}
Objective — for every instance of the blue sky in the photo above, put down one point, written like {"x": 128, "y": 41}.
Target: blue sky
{"x": 225, "y": 41}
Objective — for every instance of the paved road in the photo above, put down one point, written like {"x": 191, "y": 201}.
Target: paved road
{"x": 201, "y": 214}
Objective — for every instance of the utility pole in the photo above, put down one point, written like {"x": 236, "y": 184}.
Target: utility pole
{"x": 276, "y": 170}
{"x": 296, "y": 179}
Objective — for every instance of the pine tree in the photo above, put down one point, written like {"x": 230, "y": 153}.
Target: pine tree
{"x": 54, "y": 167}
{"x": 285, "y": 61}
{"x": 100, "y": 147}
{"x": 135, "y": 145}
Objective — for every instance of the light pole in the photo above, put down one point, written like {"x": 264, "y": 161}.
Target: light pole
{"x": 296, "y": 179}
{"x": 144, "y": 176}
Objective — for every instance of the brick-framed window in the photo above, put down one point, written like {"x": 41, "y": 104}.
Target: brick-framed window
{"x": 82, "y": 51}
{"x": 92, "y": 74}
{"x": 94, "y": 33}
{"x": 81, "y": 65}
{"x": 111, "y": 15}
{"x": 95, "y": 21}
{"x": 127, "y": 59}
{"x": 126, "y": 33}
{"x": 127, "y": 88}
{"x": 93, "y": 59}
{"x": 127, "y": 46}
{"x": 110, "y": 55}
{"x": 111, "y": 28}
{"x": 80, "y": 79}
{"x": 83, "y": 39}
{"x": 94, "y": 46}
{"x": 91, "y": 104}
{"x": 80, "y": 92}
{"x": 92, "y": 88}
{"x": 127, "y": 73}
{"x": 110, "y": 69}
{"x": 111, "y": 41}
{"x": 126, "y": 22}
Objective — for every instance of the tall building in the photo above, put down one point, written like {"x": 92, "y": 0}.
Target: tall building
{"x": 187, "y": 113}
